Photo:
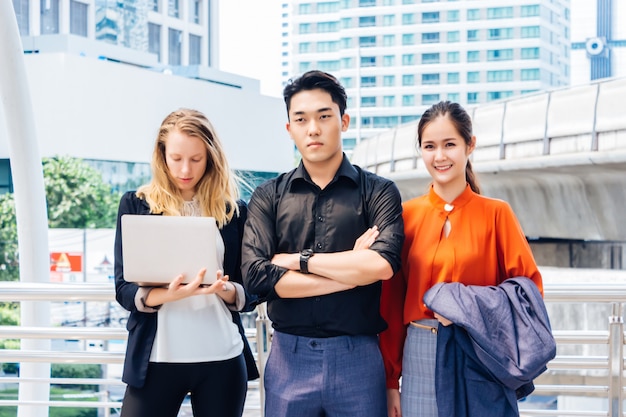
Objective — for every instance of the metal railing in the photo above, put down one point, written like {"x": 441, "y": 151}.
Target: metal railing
{"x": 578, "y": 371}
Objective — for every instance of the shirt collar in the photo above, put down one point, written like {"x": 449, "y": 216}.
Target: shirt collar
{"x": 346, "y": 169}
{"x": 458, "y": 202}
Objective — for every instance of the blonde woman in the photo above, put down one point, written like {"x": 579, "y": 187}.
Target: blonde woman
{"x": 187, "y": 338}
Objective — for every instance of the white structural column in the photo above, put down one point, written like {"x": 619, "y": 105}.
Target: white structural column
{"x": 30, "y": 203}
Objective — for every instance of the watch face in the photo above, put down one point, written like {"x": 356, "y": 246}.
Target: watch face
{"x": 307, "y": 252}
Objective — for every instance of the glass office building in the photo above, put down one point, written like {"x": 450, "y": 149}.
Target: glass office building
{"x": 398, "y": 57}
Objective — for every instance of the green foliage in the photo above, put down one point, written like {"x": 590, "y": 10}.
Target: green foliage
{"x": 8, "y": 239}
{"x": 77, "y": 196}
{"x": 11, "y": 394}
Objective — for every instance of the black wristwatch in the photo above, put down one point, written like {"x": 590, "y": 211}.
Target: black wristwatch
{"x": 304, "y": 260}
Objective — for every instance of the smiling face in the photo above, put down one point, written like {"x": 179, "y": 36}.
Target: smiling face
{"x": 315, "y": 125}
{"x": 186, "y": 159}
{"x": 445, "y": 154}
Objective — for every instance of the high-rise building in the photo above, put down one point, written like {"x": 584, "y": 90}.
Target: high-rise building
{"x": 176, "y": 32}
{"x": 598, "y": 40}
{"x": 397, "y": 57}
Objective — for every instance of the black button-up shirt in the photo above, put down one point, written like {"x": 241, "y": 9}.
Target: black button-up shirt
{"x": 290, "y": 213}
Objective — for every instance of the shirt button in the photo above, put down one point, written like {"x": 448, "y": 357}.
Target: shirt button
{"x": 318, "y": 246}
{"x": 317, "y": 298}
{"x": 320, "y": 218}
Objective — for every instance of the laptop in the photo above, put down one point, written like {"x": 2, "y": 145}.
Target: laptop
{"x": 156, "y": 249}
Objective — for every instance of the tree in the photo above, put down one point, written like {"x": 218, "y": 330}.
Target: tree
{"x": 8, "y": 239}
{"x": 77, "y": 196}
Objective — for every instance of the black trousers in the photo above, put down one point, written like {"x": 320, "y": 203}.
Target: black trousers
{"x": 218, "y": 389}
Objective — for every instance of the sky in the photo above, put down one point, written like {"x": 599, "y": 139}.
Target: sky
{"x": 250, "y": 41}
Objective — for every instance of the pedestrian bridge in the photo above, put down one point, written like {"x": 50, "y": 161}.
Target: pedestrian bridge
{"x": 558, "y": 157}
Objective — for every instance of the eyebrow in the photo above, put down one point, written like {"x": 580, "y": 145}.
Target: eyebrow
{"x": 322, "y": 110}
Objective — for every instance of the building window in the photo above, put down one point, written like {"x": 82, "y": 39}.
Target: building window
{"x": 430, "y": 79}
{"x": 499, "y": 33}
{"x": 174, "y": 45}
{"x": 389, "y": 60}
{"x": 327, "y": 46}
{"x": 432, "y": 37}
{"x": 430, "y": 17}
{"x": 347, "y": 63}
{"x": 453, "y": 57}
{"x": 499, "y": 76}
{"x": 327, "y": 7}
{"x": 328, "y": 66}
{"x": 153, "y": 5}
{"x": 49, "y": 17}
{"x": 453, "y": 78}
{"x": 530, "y": 32}
{"x": 472, "y": 35}
{"x": 454, "y": 97}
{"x": 408, "y": 19}
{"x": 304, "y": 47}
{"x": 454, "y": 36}
{"x": 453, "y": 15}
{"x": 327, "y": 27}
{"x": 499, "y": 12}
{"x": 497, "y": 95}
{"x": 21, "y": 8}
{"x": 173, "y": 8}
{"x": 410, "y": 118}
{"x": 368, "y": 81}
{"x": 346, "y": 22}
{"x": 304, "y": 66}
{"x": 389, "y": 101}
{"x": 531, "y": 74}
{"x": 346, "y": 43}
{"x": 304, "y": 8}
{"x": 408, "y": 59}
{"x": 500, "y": 55}
{"x": 389, "y": 20}
{"x": 78, "y": 18}
{"x": 368, "y": 61}
{"x": 389, "y": 80}
{"x": 428, "y": 99}
{"x": 368, "y": 101}
{"x": 408, "y": 79}
{"x": 473, "y": 56}
{"x": 389, "y": 40}
{"x": 408, "y": 39}
{"x": 195, "y": 48}
{"x": 194, "y": 11}
{"x": 154, "y": 40}
{"x": 408, "y": 100}
{"x": 473, "y": 14}
{"x": 304, "y": 28}
{"x": 367, "y": 41}
{"x": 347, "y": 82}
{"x": 530, "y": 10}
{"x": 530, "y": 53}
{"x": 385, "y": 122}
{"x": 367, "y": 3}
{"x": 472, "y": 98}
{"x": 473, "y": 77}
{"x": 430, "y": 58}
{"x": 367, "y": 21}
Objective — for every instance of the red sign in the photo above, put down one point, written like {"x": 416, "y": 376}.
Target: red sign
{"x": 66, "y": 261}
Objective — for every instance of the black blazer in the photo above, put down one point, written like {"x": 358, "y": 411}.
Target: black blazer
{"x": 142, "y": 326}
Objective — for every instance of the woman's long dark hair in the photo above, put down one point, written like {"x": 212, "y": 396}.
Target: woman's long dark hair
{"x": 463, "y": 125}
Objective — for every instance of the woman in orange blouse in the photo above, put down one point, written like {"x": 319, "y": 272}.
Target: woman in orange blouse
{"x": 453, "y": 234}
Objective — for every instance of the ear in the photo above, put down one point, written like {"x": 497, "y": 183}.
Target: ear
{"x": 288, "y": 128}
{"x": 345, "y": 122}
{"x": 471, "y": 146}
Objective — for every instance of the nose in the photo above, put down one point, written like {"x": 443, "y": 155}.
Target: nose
{"x": 314, "y": 128}
{"x": 439, "y": 153}
{"x": 186, "y": 167}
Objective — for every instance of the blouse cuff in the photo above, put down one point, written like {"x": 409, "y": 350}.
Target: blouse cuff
{"x": 140, "y": 301}
{"x": 240, "y": 298}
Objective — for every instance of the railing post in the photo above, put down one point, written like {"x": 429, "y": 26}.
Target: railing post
{"x": 616, "y": 360}
{"x": 263, "y": 343}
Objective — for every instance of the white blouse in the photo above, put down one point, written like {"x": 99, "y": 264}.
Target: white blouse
{"x": 198, "y": 328}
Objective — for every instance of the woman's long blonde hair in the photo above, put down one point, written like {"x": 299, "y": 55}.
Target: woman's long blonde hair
{"x": 217, "y": 191}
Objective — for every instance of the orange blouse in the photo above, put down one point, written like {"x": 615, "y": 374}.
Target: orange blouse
{"x": 485, "y": 246}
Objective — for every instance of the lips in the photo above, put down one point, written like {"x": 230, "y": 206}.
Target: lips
{"x": 443, "y": 167}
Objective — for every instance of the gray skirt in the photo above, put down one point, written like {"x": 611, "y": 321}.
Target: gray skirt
{"x": 417, "y": 391}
